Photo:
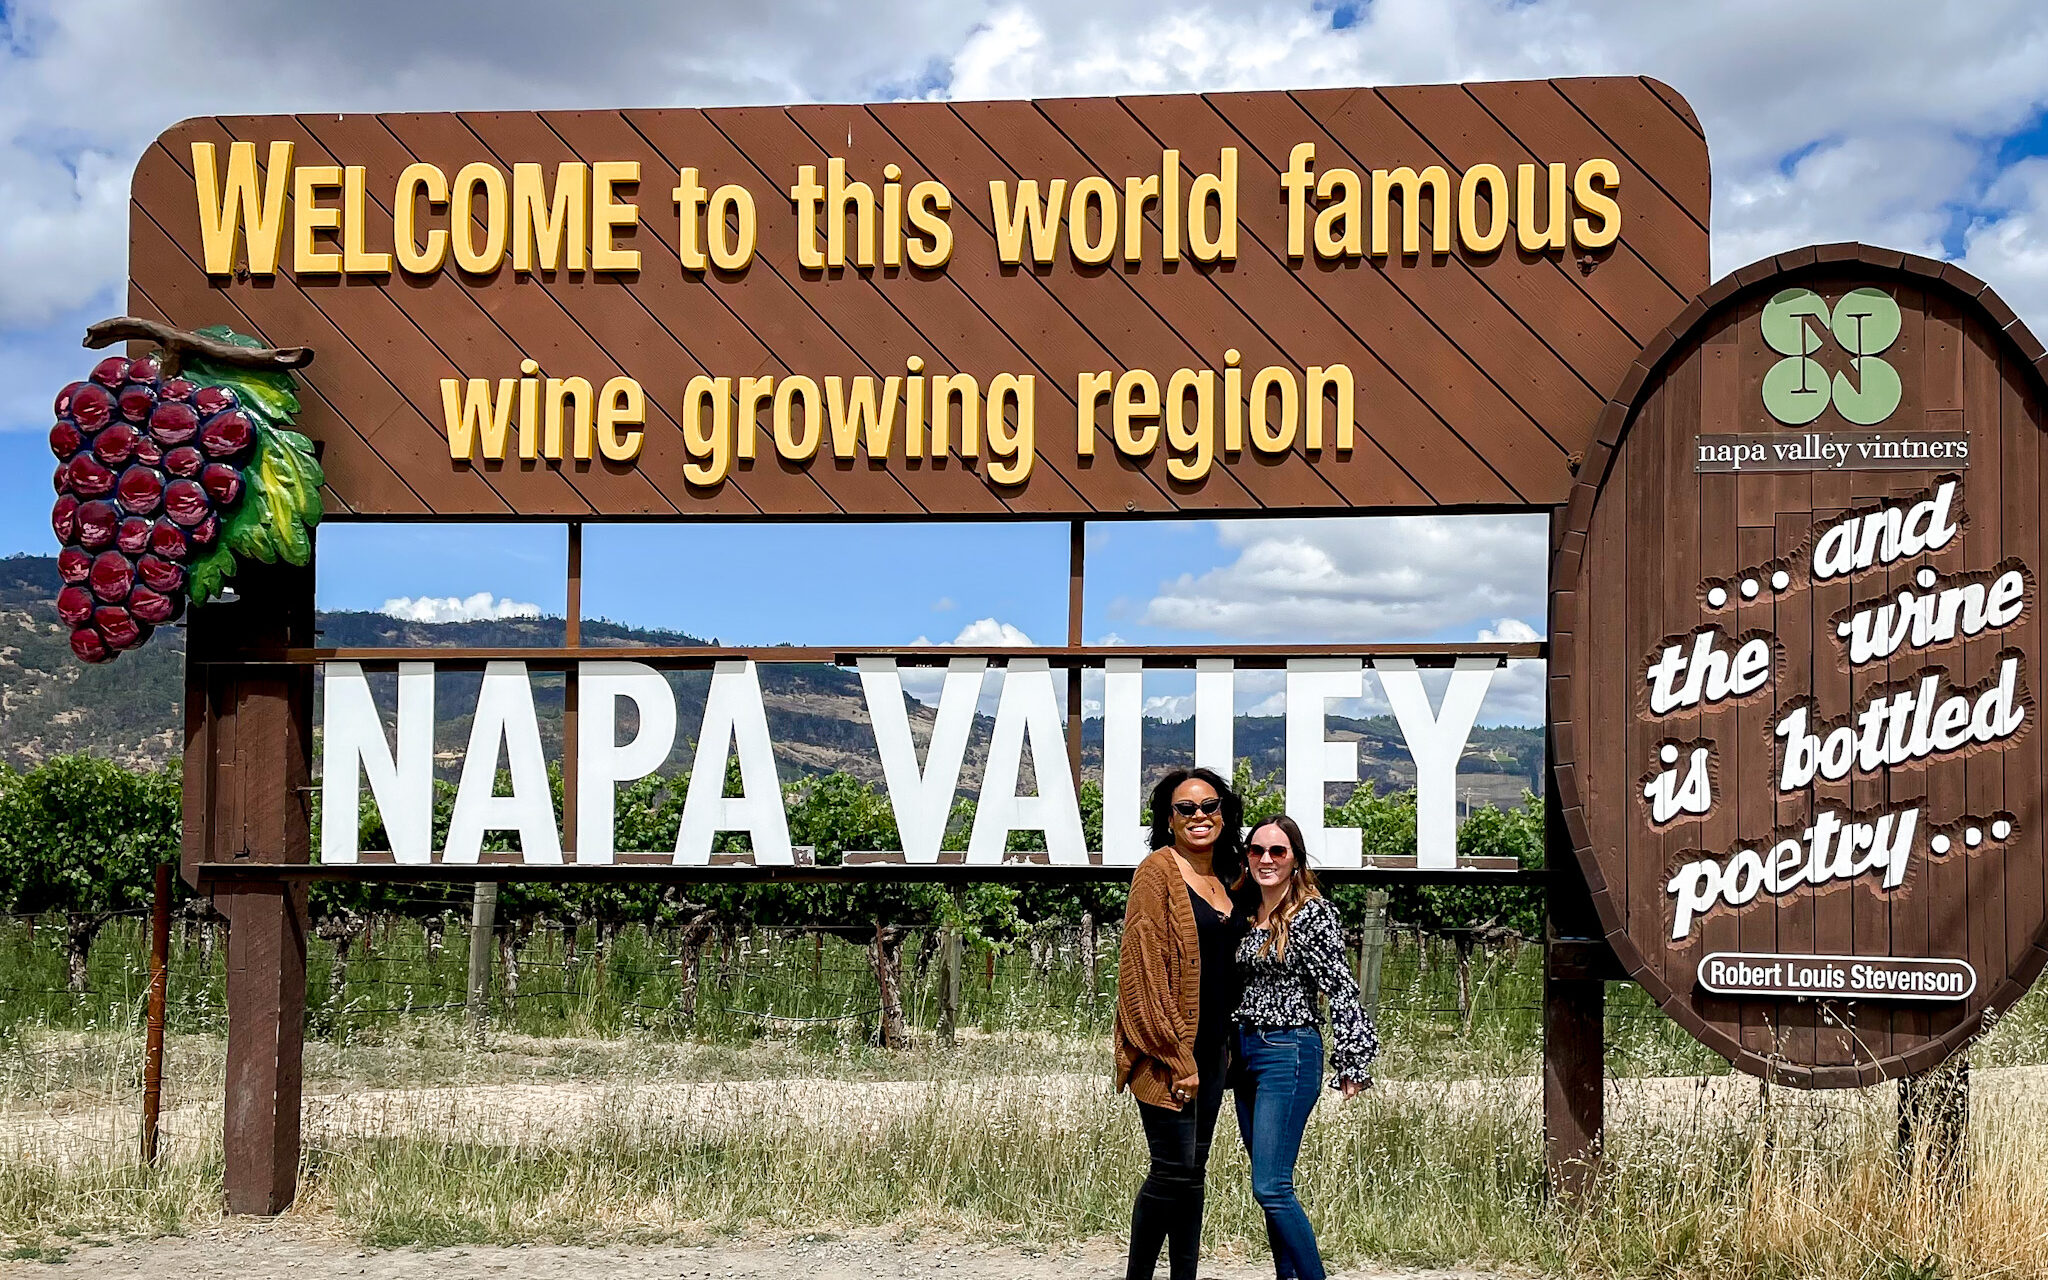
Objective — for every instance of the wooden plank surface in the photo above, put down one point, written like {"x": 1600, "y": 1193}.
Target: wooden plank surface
{"x": 248, "y": 763}
{"x": 1477, "y": 375}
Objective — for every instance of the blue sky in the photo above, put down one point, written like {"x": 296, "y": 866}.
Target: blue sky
{"x": 864, "y": 583}
{"x": 1914, "y": 125}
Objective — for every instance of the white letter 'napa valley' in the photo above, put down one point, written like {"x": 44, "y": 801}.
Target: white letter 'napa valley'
{"x": 734, "y": 714}
{"x": 504, "y": 715}
{"x": 922, "y": 798}
{"x": 601, "y": 762}
{"x": 353, "y": 747}
{"x": 1027, "y": 743}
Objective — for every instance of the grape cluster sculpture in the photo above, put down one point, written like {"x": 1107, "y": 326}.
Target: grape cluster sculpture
{"x": 169, "y": 467}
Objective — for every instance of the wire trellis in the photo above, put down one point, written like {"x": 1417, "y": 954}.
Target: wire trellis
{"x": 411, "y": 961}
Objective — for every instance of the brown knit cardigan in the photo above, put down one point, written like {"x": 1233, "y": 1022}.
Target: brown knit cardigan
{"x": 1158, "y": 984}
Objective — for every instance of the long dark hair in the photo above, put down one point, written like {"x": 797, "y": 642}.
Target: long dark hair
{"x": 1228, "y": 859}
{"x": 1301, "y": 883}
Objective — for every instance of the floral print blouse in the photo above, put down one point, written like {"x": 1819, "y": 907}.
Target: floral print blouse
{"x": 1281, "y": 992}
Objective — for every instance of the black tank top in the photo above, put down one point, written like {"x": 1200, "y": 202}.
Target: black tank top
{"x": 1218, "y": 935}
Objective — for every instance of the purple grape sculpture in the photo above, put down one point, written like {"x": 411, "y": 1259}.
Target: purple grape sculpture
{"x": 168, "y": 468}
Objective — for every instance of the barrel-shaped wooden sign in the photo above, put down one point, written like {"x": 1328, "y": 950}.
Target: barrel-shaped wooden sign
{"x": 1796, "y": 651}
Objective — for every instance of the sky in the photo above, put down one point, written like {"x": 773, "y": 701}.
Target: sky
{"x": 1914, "y": 125}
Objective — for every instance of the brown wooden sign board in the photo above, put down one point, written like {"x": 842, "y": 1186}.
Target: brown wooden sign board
{"x": 1795, "y": 710}
{"x": 1442, "y": 282}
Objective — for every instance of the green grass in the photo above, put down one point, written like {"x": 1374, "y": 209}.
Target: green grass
{"x": 1401, "y": 1176}
{"x": 1441, "y": 1167}
{"x": 789, "y": 987}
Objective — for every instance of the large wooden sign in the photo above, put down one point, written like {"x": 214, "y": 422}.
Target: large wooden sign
{"x": 1400, "y": 298}
{"x": 1797, "y": 655}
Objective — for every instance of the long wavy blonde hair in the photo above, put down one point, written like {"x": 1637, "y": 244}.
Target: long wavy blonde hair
{"x": 1301, "y": 883}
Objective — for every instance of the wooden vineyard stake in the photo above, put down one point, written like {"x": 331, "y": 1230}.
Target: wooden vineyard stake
{"x": 483, "y": 917}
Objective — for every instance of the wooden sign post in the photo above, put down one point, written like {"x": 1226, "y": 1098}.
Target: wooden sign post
{"x": 248, "y": 803}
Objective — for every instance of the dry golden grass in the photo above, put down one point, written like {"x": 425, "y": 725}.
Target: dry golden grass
{"x": 631, "y": 1140}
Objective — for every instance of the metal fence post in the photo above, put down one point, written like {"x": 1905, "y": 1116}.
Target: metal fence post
{"x": 159, "y": 987}
{"x": 1372, "y": 949}
{"x": 483, "y": 917}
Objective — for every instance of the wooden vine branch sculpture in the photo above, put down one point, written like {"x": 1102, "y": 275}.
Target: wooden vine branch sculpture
{"x": 178, "y": 343}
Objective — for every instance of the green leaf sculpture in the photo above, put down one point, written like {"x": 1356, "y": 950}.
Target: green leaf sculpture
{"x": 280, "y": 500}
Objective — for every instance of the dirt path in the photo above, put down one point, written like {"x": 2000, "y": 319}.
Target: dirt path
{"x": 281, "y": 1252}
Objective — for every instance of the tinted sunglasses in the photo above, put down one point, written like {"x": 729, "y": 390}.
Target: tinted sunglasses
{"x": 1189, "y": 808}
{"x": 1275, "y": 853}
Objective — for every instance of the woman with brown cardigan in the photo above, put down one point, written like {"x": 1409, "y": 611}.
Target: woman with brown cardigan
{"x": 1176, "y": 989}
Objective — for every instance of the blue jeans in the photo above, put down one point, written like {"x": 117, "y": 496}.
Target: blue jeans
{"x": 1280, "y": 1078}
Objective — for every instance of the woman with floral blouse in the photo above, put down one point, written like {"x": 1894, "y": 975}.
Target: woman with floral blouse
{"x": 1294, "y": 952}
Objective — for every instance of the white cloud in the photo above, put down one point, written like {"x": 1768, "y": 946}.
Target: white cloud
{"x": 924, "y": 683}
{"x": 481, "y": 607}
{"x": 981, "y": 633}
{"x": 1516, "y": 694}
{"x": 1509, "y": 631}
{"x": 1170, "y": 707}
{"x": 2009, "y": 245}
{"x": 1393, "y": 578}
{"x": 1833, "y": 120}
{"x": 944, "y": 604}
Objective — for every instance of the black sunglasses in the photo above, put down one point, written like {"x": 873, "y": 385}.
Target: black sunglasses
{"x": 1189, "y": 808}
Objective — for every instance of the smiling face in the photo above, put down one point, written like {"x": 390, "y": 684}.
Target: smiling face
{"x": 1196, "y": 832}
{"x": 1271, "y": 856}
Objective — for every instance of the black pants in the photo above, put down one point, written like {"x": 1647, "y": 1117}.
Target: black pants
{"x": 1169, "y": 1207}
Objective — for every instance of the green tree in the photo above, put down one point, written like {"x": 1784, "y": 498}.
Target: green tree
{"x": 83, "y": 836}
{"x": 1387, "y": 824}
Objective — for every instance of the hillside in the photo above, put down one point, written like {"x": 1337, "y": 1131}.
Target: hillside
{"x": 129, "y": 709}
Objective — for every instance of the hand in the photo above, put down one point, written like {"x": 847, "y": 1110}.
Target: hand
{"x": 1185, "y": 1088}
{"x": 1352, "y": 1089}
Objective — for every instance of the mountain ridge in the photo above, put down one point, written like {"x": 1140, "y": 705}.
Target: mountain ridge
{"x": 130, "y": 710}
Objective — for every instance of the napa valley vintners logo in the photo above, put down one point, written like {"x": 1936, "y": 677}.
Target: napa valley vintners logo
{"x": 1864, "y": 323}
{"x": 1833, "y": 355}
